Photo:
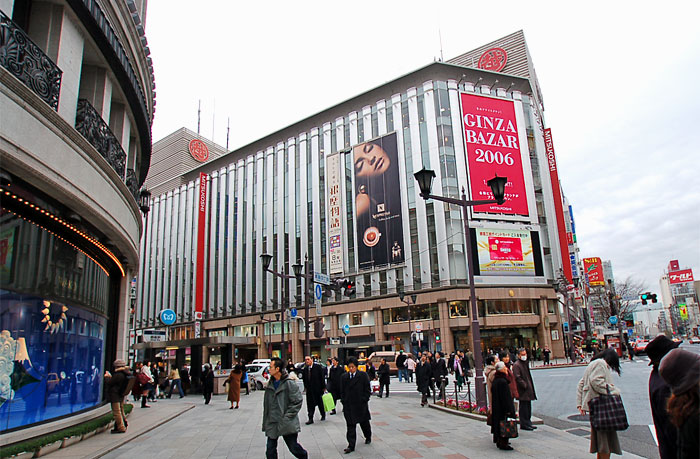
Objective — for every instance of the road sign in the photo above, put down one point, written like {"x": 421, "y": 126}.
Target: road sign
{"x": 419, "y": 327}
{"x": 318, "y": 291}
{"x": 167, "y": 316}
{"x": 335, "y": 341}
{"x": 321, "y": 278}
{"x": 630, "y": 332}
{"x": 612, "y": 320}
{"x": 566, "y": 327}
{"x": 346, "y": 329}
{"x": 293, "y": 312}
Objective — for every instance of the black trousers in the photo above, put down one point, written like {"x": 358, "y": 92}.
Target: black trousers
{"x": 352, "y": 432}
{"x": 313, "y": 401}
{"x": 525, "y": 413}
{"x": 207, "y": 398}
{"x": 381, "y": 388}
{"x": 292, "y": 444}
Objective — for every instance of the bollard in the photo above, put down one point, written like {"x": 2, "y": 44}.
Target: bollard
{"x": 444, "y": 392}
{"x": 456, "y": 396}
{"x": 469, "y": 395}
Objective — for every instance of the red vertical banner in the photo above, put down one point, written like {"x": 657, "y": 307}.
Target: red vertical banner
{"x": 558, "y": 205}
{"x": 201, "y": 224}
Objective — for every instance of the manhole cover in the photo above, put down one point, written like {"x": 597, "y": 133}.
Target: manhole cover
{"x": 578, "y": 417}
{"x": 579, "y": 432}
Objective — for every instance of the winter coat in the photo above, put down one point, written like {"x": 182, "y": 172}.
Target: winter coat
{"x": 659, "y": 393}
{"x": 281, "y": 408}
{"x": 511, "y": 382}
{"x": 502, "y": 405}
{"x": 688, "y": 446}
{"x": 523, "y": 379}
{"x": 423, "y": 374}
{"x": 441, "y": 368}
{"x": 117, "y": 385}
{"x": 489, "y": 373}
{"x": 401, "y": 361}
{"x": 371, "y": 372}
{"x": 334, "y": 380}
{"x": 208, "y": 381}
{"x": 594, "y": 382}
{"x": 234, "y": 386}
{"x": 355, "y": 394}
{"x": 314, "y": 381}
{"x": 384, "y": 373}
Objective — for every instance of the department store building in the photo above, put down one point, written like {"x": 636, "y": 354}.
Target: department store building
{"x": 338, "y": 187}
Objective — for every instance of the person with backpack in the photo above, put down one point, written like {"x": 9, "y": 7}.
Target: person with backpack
{"x": 118, "y": 386}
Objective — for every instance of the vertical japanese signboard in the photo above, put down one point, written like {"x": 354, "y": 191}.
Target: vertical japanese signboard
{"x": 558, "y": 205}
{"x": 493, "y": 148}
{"x": 335, "y": 214}
{"x": 593, "y": 268}
{"x": 201, "y": 225}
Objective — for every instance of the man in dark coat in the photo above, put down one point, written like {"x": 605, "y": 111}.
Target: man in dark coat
{"x": 424, "y": 373}
{"x": 526, "y": 390}
{"x": 315, "y": 386}
{"x": 502, "y": 405}
{"x": 355, "y": 396}
{"x": 441, "y": 376}
{"x": 207, "y": 383}
{"x": 401, "y": 366}
{"x": 118, "y": 386}
{"x": 659, "y": 393}
{"x": 335, "y": 374}
{"x": 383, "y": 373}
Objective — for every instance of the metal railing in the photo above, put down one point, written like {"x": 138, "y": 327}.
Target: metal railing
{"x": 91, "y": 125}
{"x": 458, "y": 398}
{"x": 26, "y": 61}
{"x": 132, "y": 183}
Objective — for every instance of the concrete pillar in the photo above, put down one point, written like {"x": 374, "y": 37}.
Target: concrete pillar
{"x": 379, "y": 334}
{"x": 120, "y": 125}
{"x": 96, "y": 87}
{"x": 544, "y": 337}
{"x": 446, "y": 336}
{"x": 297, "y": 344}
{"x": 123, "y": 324}
{"x": 262, "y": 341}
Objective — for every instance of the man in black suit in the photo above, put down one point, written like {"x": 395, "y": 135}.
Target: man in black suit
{"x": 315, "y": 386}
{"x": 355, "y": 396}
{"x": 335, "y": 374}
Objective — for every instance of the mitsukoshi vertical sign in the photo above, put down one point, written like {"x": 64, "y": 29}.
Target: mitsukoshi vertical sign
{"x": 493, "y": 148}
{"x": 201, "y": 225}
{"x": 558, "y": 206}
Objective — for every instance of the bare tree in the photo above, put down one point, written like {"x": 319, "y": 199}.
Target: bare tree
{"x": 621, "y": 299}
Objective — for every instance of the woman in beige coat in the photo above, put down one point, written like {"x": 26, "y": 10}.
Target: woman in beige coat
{"x": 596, "y": 381}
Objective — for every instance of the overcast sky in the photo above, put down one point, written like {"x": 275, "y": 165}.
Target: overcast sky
{"x": 619, "y": 82}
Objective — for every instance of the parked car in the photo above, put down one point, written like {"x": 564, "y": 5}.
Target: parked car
{"x": 261, "y": 361}
{"x": 299, "y": 367}
{"x": 390, "y": 356}
{"x": 694, "y": 340}
{"x": 258, "y": 374}
{"x": 640, "y": 346}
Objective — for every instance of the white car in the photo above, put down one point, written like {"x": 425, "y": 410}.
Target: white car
{"x": 694, "y": 340}
{"x": 261, "y": 362}
{"x": 258, "y": 374}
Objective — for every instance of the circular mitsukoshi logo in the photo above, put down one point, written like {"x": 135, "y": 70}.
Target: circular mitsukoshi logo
{"x": 199, "y": 150}
{"x": 493, "y": 59}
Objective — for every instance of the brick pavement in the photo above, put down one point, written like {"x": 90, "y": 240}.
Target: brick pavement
{"x": 401, "y": 429}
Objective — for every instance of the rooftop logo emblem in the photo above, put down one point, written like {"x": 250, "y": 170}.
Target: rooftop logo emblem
{"x": 199, "y": 150}
{"x": 493, "y": 59}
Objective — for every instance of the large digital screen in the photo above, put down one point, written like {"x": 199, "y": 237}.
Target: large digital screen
{"x": 505, "y": 252}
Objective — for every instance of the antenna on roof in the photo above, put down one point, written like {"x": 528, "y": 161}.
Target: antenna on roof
{"x": 213, "y": 120}
{"x": 228, "y": 129}
{"x": 442, "y": 59}
{"x": 199, "y": 113}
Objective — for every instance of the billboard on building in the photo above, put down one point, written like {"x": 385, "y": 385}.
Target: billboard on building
{"x": 558, "y": 205}
{"x": 680, "y": 277}
{"x": 683, "y": 311}
{"x": 335, "y": 215}
{"x": 593, "y": 268}
{"x": 201, "y": 224}
{"x": 493, "y": 148}
{"x": 378, "y": 203}
{"x": 505, "y": 252}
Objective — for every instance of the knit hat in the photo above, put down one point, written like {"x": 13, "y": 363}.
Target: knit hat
{"x": 500, "y": 366}
{"x": 658, "y": 348}
{"x": 119, "y": 363}
{"x": 681, "y": 370}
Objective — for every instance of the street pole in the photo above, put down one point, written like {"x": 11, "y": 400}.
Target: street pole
{"x": 284, "y": 324}
{"x": 307, "y": 344}
{"x": 476, "y": 333}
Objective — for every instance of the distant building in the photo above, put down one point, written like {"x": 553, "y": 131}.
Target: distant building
{"x": 680, "y": 298}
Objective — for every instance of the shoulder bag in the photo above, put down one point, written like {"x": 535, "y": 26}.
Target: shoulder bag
{"x": 608, "y": 412}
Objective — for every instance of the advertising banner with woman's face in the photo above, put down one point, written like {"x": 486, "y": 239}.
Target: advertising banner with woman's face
{"x": 493, "y": 148}
{"x": 378, "y": 203}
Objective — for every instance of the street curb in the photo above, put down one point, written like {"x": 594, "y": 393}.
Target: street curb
{"x": 111, "y": 448}
{"x": 476, "y": 417}
{"x": 566, "y": 365}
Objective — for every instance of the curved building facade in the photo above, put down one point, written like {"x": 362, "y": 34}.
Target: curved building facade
{"x": 77, "y": 98}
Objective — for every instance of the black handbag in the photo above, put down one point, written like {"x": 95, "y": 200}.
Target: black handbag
{"x": 509, "y": 428}
{"x": 608, "y": 412}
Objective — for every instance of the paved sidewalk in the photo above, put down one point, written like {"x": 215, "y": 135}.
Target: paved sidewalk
{"x": 401, "y": 429}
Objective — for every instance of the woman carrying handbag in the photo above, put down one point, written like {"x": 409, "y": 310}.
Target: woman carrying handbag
{"x": 596, "y": 390}
{"x": 502, "y": 408}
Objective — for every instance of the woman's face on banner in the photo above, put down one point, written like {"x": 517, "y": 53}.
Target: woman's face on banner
{"x": 371, "y": 160}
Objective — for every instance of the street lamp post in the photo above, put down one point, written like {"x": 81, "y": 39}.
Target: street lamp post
{"x": 307, "y": 281}
{"x": 145, "y": 206}
{"x": 425, "y": 177}
{"x": 266, "y": 259}
{"x": 563, "y": 288}
{"x": 409, "y": 301}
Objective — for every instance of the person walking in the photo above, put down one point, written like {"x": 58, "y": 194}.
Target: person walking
{"x": 245, "y": 379}
{"x": 207, "y": 383}
{"x": 174, "y": 377}
{"x": 355, "y": 396}
{"x": 441, "y": 378}
{"x": 144, "y": 381}
{"x": 526, "y": 390}
{"x": 335, "y": 375}
{"x": 681, "y": 371}
{"x": 401, "y": 366}
{"x": 117, "y": 388}
{"x": 410, "y": 368}
{"x": 502, "y": 406}
{"x": 281, "y": 405}
{"x": 424, "y": 374}
{"x": 185, "y": 382}
{"x": 315, "y": 385}
{"x": 384, "y": 381}
{"x": 489, "y": 373}
{"x": 458, "y": 371}
{"x": 659, "y": 393}
{"x": 234, "y": 385}
{"x": 598, "y": 380}
{"x": 546, "y": 352}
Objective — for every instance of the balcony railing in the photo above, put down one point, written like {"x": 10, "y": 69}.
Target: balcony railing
{"x": 25, "y": 60}
{"x": 91, "y": 125}
{"x": 132, "y": 183}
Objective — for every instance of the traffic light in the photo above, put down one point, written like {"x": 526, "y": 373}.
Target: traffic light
{"x": 653, "y": 298}
{"x": 344, "y": 285}
{"x": 648, "y": 296}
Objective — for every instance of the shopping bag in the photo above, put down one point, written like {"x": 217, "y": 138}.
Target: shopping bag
{"x": 374, "y": 385}
{"x": 608, "y": 412}
{"x": 328, "y": 403}
{"x": 509, "y": 428}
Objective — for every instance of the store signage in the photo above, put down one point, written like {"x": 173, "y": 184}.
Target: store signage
{"x": 493, "y": 148}
{"x": 197, "y": 329}
{"x": 683, "y": 311}
{"x": 201, "y": 224}
{"x": 335, "y": 214}
{"x": 493, "y": 59}
{"x": 574, "y": 267}
{"x": 154, "y": 335}
{"x": 612, "y": 320}
{"x": 419, "y": 327}
{"x": 558, "y": 204}
{"x": 199, "y": 150}
{"x": 673, "y": 265}
{"x": 593, "y": 268}
{"x": 167, "y": 316}
{"x": 682, "y": 276}
{"x": 378, "y": 203}
{"x": 505, "y": 252}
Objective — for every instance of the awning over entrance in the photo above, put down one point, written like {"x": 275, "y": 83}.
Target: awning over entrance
{"x": 207, "y": 341}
